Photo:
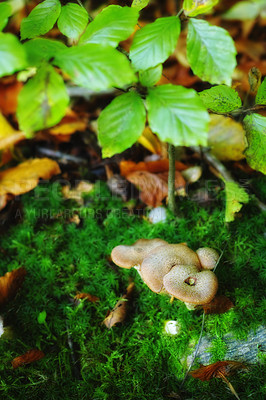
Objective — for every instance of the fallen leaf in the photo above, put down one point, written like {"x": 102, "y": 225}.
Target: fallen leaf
{"x": 78, "y": 192}
{"x": 8, "y": 135}
{"x": 27, "y": 358}
{"x": 226, "y": 138}
{"x": 10, "y": 283}
{"x": 150, "y": 141}
{"x": 126, "y": 167}
{"x": 25, "y": 176}
{"x": 219, "y": 305}
{"x": 87, "y": 296}
{"x": 220, "y": 369}
{"x": 153, "y": 188}
{"x": 9, "y": 92}
{"x": 70, "y": 124}
{"x": 119, "y": 312}
{"x": 236, "y": 196}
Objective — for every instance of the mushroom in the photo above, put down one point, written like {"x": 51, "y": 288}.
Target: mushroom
{"x": 188, "y": 284}
{"x": 174, "y": 269}
{"x": 132, "y": 256}
{"x": 208, "y": 257}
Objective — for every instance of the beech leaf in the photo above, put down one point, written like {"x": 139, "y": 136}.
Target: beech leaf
{"x": 27, "y": 358}
{"x": 119, "y": 312}
{"x": 10, "y": 283}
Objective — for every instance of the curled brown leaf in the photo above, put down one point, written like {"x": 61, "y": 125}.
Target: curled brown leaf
{"x": 218, "y": 305}
{"x": 27, "y": 358}
{"x": 10, "y": 283}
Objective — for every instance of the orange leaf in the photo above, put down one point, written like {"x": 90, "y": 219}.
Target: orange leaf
{"x": 179, "y": 180}
{"x": 27, "y": 358}
{"x": 25, "y": 176}
{"x": 153, "y": 188}
{"x": 10, "y": 283}
{"x": 119, "y": 312}
{"x": 71, "y": 123}
{"x": 217, "y": 370}
{"x": 218, "y": 305}
{"x": 8, "y": 135}
{"x": 9, "y": 92}
{"x": 87, "y": 296}
{"x": 127, "y": 167}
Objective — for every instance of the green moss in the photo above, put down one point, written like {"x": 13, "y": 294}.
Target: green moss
{"x": 136, "y": 360}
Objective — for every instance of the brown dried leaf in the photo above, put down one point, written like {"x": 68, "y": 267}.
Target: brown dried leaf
{"x": 153, "y": 188}
{"x": 127, "y": 167}
{"x": 87, "y": 296}
{"x": 27, "y": 358}
{"x": 119, "y": 312}
{"x": 25, "y": 176}
{"x": 217, "y": 370}
{"x": 219, "y": 305}
{"x": 10, "y": 283}
{"x": 9, "y": 92}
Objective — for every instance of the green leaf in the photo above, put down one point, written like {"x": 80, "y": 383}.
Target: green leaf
{"x": 220, "y": 99}
{"x": 243, "y": 10}
{"x": 41, "y": 19}
{"x": 154, "y": 43}
{"x": 121, "y": 123}
{"x": 235, "y": 198}
{"x": 140, "y": 4}
{"x": 261, "y": 95}
{"x": 72, "y": 20}
{"x": 211, "y": 52}
{"x": 5, "y": 12}
{"x": 96, "y": 67}
{"x": 111, "y": 26}
{"x": 195, "y": 7}
{"x": 42, "y": 49}
{"x": 12, "y": 54}
{"x": 42, "y": 317}
{"x": 255, "y": 126}
{"x": 151, "y": 76}
{"x": 43, "y": 100}
{"x": 177, "y": 115}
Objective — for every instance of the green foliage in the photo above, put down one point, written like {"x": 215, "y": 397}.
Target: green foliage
{"x": 72, "y": 20}
{"x": 246, "y": 10}
{"x": 111, "y": 26}
{"x": 151, "y": 76}
{"x": 12, "y": 54}
{"x": 41, "y": 19}
{"x": 255, "y": 126}
{"x": 211, "y": 52}
{"x": 169, "y": 113}
{"x": 261, "y": 95}
{"x": 121, "y": 123}
{"x": 220, "y": 99}
{"x": 140, "y": 4}
{"x": 5, "y": 12}
{"x": 154, "y": 43}
{"x": 96, "y": 66}
{"x": 194, "y": 7}
{"x": 41, "y": 49}
{"x": 42, "y": 317}
{"x": 236, "y": 196}
{"x": 43, "y": 100}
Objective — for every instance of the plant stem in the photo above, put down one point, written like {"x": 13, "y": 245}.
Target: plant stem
{"x": 171, "y": 179}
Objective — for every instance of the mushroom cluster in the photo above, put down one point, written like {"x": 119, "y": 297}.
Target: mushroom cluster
{"x": 174, "y": 269}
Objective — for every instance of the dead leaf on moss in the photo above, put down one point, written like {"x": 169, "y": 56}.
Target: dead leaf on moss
{"x": 25, "y": 176}
{"x": 119, "y": 312}
{"x": 87, "y": 296}
{"x": 219, "y": 305}
{"x": 29, "y": 357}
{"x": 10, "y": 283}
{"x": 220, "y": 369}
{"x": 78, "y": 192}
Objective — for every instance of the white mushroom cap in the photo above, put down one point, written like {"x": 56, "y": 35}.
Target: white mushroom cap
{"x": 162, "y": 259}
{"x": 208, "y": 257}
{"x": 131, "y": 256}
{"x": 188, "y": 284}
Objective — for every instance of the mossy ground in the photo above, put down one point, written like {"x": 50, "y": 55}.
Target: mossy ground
{"x": 135, "y": 360}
